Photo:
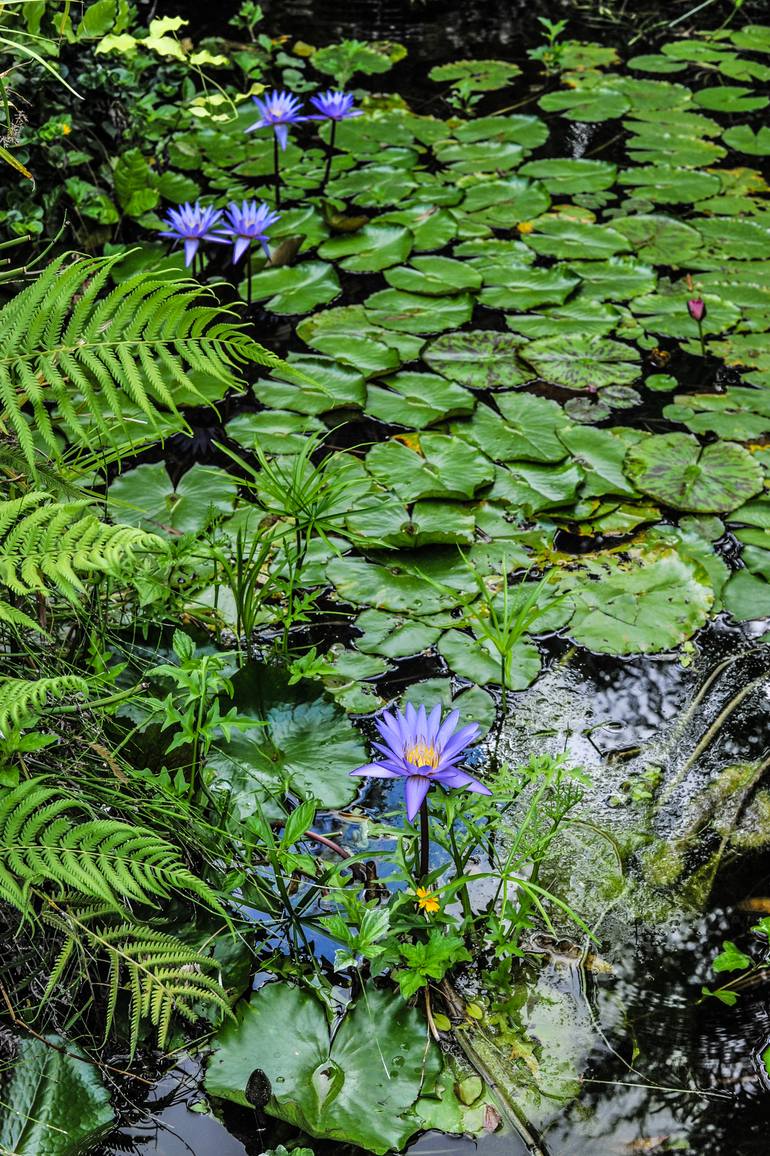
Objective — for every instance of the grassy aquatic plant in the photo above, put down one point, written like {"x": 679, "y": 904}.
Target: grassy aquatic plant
{"x": 423, "y": 750}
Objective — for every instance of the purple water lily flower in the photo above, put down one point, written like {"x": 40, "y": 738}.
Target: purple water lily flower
{"x": 193, "y": 224}
{"x": 277, "y": 111}
{"x": 423, "y": 750}
{"x": 249, "y": 222}
{"x": 334, "y": 105}
{"x": 697, "y": 309}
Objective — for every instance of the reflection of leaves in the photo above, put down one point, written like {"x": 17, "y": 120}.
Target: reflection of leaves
{"x": 358, "y": 1087}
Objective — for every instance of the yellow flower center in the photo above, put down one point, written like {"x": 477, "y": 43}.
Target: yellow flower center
{"x": 421, "y": 755}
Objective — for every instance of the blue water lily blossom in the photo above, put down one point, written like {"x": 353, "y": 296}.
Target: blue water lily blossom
{"x": 423, "y": 750}
{"x": 248, "y": 222}
{"x": 277, "y": 111}
{"x": 193, "y": 224}
{"x": 334, "y": 105}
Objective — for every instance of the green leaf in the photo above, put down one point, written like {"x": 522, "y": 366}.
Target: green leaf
{"x": 357, "y": 1087}
{"x": 527, "y": 429}
{"x": 395, "y": 635}
{"x": 434, "y": 276}
{"x": 679, "y": 472}
{"x": 431, "y": 226}
{"x": 730, "y": 98}
{"x": 729, "y": 998}
{"x": 478, "y": 660}
{"x": 345, "y": 59}
{"x": 659, "y": 239}
{"x": 747, "y": 597}
{"x": 307, "y": 747}
{"x": 577, "y": 318}
{"x": 415, "y": 585}
{"x": 437, "y": 467}
{"x": 730, "y": 958}
{"x": 579, "y": 363}
{"x": 476, "y": 75}
{"x": 145, "y": 496}
{"x": 53, "y": 1103}
{"x": 526, "y": 288}
{"x": 273, "y": 431}
{"x": 586, "y": 104}
{"x": 417, "y": 400}
{"x": 560, "y": 237}
{"x": 416, "y": 313}
{"x": 313, "y": 385}
{"x": 565, "y": 176}
{"x": 481, "y": 359}
{"x": 296, "y": 288}
{"x": 600, "y": 455}
{"x": 377, "y": 246}
{"x": 528, "y": 131}
{"x": 502, "y": 204}
{"x": 646, "y": 604}
{"x": 664, "y": 184}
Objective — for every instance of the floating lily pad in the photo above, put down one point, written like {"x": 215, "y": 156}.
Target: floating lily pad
{"x": 600, "y": 456}
{"x": 296, "y": 289}
{"x": 344, "y": 59}
{"x": 367, "y": 355}
{"x": 421, "y": 586}
{"x": 527, "y": 429}
{"x": 583, "y": 362}
{"x": 476, "y": 75}
{"x": 431, "y": 226}
{"x": 659, "y": 239}
{"x": 504, "y": 203}
{"x": 730, "y": 98}
{"x": 747, "y": 597}
{"x": 418, "y": 400}
{"x": 313, "y": 385}
{"x": 526, "y": 287}
{"x": 376, "y": 246}
{"x": 650, "y": 602}
{"x": 145, "y": 496}
{"x": 434, "y": 276}
{"x": 356, "y": 1085}
{"x": 617, "y": 279}
{"x": 664, "y": 184}
{"x": 586, "y": 104}
{"x": 352, "y": 321}
{"x": 480, "y": 156}
{"x": 273, "y": 431}
{"x": 739, "y": 414}
{"x": 307, "y": 746}
{"x": 565, "y": 176}
{"x": 437, "y": 467}
{"x": 417, "y": 313}
{"x": 481, "y": 359}
{"x": 529, "y": 487}
{"x": 678, "y": 471}
{"x": 560, "y": 237}
{"x": 668, "y": 315}
{"x": 577, "y": 318}
{"x": 394, "y": 635}
{"x": 477, "y": 660}
{"x": 528, "y": 131}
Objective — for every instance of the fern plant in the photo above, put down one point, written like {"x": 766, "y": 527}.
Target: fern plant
{"x": 23, "y": 698}
{"x": 63, "y": 342}
{"x": 78, "y": 875}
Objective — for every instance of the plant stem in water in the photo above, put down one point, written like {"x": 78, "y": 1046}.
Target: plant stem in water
{"x": 424, "y": 840}
{"x": 277, "y": 172}
{"x": 329, "y": 155}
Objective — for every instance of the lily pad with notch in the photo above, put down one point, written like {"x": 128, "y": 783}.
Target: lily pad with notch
{"x": 526, "y": 431}
{"x": 434, "y": 276}
{"x": 566, "y": 176}
{"x": 416, "y": 312}
{"x": 437, "y": 467}
{"x": 479, "y": 358}
{"x": 295, "y": 289}
{"x": 578, "y": 364}
{"x": 417, "y": 400}
{"x": 527, "y": 287}
{"x": 557, "y": 236}
{"x": 502, "y": 204}
{"x": 374, "y": 247}
{"x": 677, "y": 470}
{"x": 476, "y": 75}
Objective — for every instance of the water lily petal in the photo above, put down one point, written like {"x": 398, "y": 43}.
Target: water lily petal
{"x": 417, "y": 787}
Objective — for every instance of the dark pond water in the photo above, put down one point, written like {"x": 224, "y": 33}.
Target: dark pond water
{"x": 660, "y": 1071}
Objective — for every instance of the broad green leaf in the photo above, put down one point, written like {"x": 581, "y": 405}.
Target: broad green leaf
{"x": 559, "y": 237}
{"x": 146, "y": 497}
{"x": 434, "y": 276}
{"x": 273, "y": 431}
{"x": 565, "y": 176}
{"x": 730, "y": 958}
{"x": 528, "y": 287}
{"x": 417, "y": 313}
{"x": 747, "y": 597}
{"x": 577, "y": 318}
{"x": 617, "y": 279}
{"x": 296, "y": 288}
{"x": 313, "y": 385}
{"x": 476, "y": 75}
{"x": 527, "y": 429}
{"x": 377, "y": 246}
{"x": 504, "y": 203}
{"x": 417, "y": 400}
{"x": 431, "y": 226}
{"x": 666, "y": 185}
{"x": 730, "y": 98}
{"x": 417, "y": 584}
{"x": 659, "y": 239}
{"x": 481, "y": 359}
{"x": 438, "y": 467}
{"x": 579, "y": 363}
{"x": 395, "y": 635}
{"x": 477, "y": 660}
{"x": 679, "y": 472}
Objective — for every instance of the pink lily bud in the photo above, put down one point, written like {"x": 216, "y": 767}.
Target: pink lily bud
{"x": 697, "y": 309}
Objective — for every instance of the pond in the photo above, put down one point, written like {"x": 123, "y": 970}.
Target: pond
{"x": 463, "y": 414}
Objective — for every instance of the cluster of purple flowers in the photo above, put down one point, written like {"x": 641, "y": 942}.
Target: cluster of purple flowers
{"x": 239, "y": 225}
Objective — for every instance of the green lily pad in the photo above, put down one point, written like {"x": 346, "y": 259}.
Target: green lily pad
{"x": 578, "y": 317}
{"x": 747, "y": 597}
{"x": 565, "y": 176}
{"x": 481, "y": 359}
{"x": 438, "y": 467}
{"x": 474, "y": 704}
{"x": 526, "y": 431}
{"x": 678, "y": 471}
{"x": 480, "y": 156}
{"x": 350, "y": 321}
{"x": 367, "y": 355}
{"x": 418, "y": 400}
{"x": 528, "y": 131}
{"x": 659, "y": 239}
{"x": 743, "y": 138}
{"x": 529, "y": 487}
{"x": 377, "y": 246}
{"x": 664, "y": 184}
{"x": 649, "y": 603}
{"x": 296, "y": 288}
{"x": 739, "y": 414}
{"x": 344, "y": 59}
{"x": 586, "y": 104}
{"x": 730, "y": 98}
{"x": 313, "y": 385}
{"x": 431, "y": 226}
{"x": 306, "y": 747}
{"x": 654, "y": 62}
{"x": 600, "y": 456}
{"x": 434, "y": 276}
{"x": 54, "y": 1101}
{"x": 374, "y": 186}
{"x": 273, "y": 431}
{"x": 476, "y": 75}
{"x": 725, "y": 241}
{"x": 526, "y": 287}
{"x": 430, "y": 522}
{"x": 477, "y": 660}
{"x": 584, "y": 362}
{"x": 560, "y": 237}
{"x": 417, "y": 313}
{"x": 502, "y": 204}
{"x": 420, "y": 586}
{"x": 395, "y": 635}
{"x": 146, "y": 497}
{"x": 357, "y": 1085}
{"x": 668, "y": 315}
{"x": 617, "y": 279}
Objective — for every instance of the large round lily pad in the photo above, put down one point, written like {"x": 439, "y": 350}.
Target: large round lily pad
{"x": 416, "y": 312}
{"x": 648, "y": 603}
{"x": 481, "y": 359}
{"x": 576, "y": 364}
{"x": 677, "y": 470}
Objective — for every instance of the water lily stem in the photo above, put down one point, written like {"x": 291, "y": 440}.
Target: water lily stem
{"x": 424, "y": 840}
{"x": 248, "y": 278}
{"x": 329, "y": 155}
{"x": 277, "y": 171}
{"x": 702, "y": 342}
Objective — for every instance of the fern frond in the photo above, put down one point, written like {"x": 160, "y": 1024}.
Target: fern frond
{"x": 21, "y": 698}
{"x": 47, "y": 843}
{"x": 140, "y": 342}
{"x": 44, "y": 544}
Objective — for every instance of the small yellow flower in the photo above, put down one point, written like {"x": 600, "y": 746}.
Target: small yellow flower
{"x": 66, "y": 129}
{"x": 427, "y": 901}
{"x": 525, "y": 226}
